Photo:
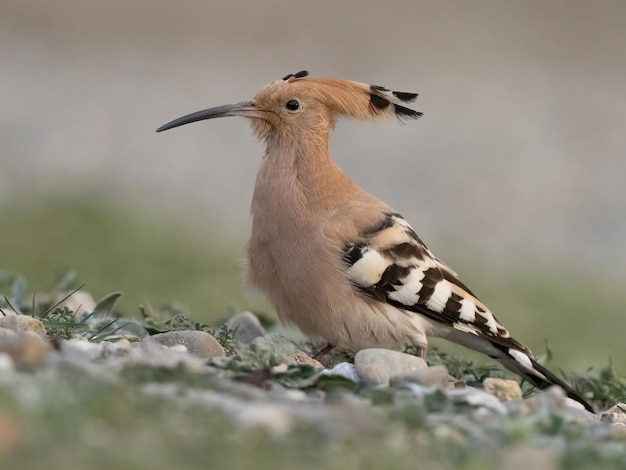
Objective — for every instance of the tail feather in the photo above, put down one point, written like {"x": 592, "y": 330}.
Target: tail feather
{"x": 524, "y": 365}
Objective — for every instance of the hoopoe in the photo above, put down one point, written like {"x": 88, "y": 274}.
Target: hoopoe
{"x": 334, "y": 260}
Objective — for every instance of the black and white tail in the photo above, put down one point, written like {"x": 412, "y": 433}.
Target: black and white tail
{"x": 520, "y": 363}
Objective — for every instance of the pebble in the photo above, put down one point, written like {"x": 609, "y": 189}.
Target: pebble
{"x": 79, "y": 302}
{"x": 525, "y": 457}
{"x": 503, "y": 389}
{"x": 471, "y": 380}
{"x": 118, "y": 348}
{"x": 153, "y": 354}
{"x": 5, "y": 311}
{"x": 80, "y": 348}
{"x": 198, "y": 343}
{"x": 299, "y": 358}
{"x": 287, "y": 394}
{"x": 25, "y": 348}
{"x": 549, "y": 402}
{"x": 434, "y": 376}
{"x": 267, "y": 351}
{"x": 247, "y": 327}
{"x": 6, "y": 362}
{"x": 269, "y": 417}
{"x": 23, "y": 323}
{"x": 615, "y": 414}
{"x": 379, "y": 365}
{"x": 343, "y": 369}
{"x": 476, "y": 398}
{"x": 128, "y": 328}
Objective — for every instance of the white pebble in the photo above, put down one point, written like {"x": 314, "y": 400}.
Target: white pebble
{"x": 343, "y": 369}
{"x": 6, "y": 363}
{"x": 179, "y": 348}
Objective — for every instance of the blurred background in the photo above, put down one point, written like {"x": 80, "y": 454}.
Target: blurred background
{"x": 514, "y": 176}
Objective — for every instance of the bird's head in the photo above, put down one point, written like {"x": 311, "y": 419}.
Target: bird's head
{"x": 297, "y": 105}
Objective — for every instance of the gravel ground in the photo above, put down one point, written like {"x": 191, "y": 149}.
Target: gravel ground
{"x": 264, "y": 382}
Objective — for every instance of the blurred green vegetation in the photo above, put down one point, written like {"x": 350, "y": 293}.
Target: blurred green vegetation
{"x": 150, "y": 257}
{"x": 154, "y": 255}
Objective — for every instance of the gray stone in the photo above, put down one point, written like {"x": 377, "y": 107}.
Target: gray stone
{"x": 552, "y": 401}
{"x": 503, "y": 389}
{"x": 80, "y": 348}
{"x": 435, "y": 376}
{"x": 153, "y": 354}
{"x": 615, "y": 414}
{"x": 247, "y": 327}
{"x": 5, "y": 311}
{"x": 21, "y": 323}
{"x": 471, "y": 380}
{"x": 127, "y": 328}
{"x": 474, "y": 397}
{"x": 267, "y": 351}
{"x": 198, "y": 343}
{"x": 378, "y": 365}
{"x": 117, "y": 348}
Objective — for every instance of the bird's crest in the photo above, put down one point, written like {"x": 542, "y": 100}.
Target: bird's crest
{"x": 355, "y": 99}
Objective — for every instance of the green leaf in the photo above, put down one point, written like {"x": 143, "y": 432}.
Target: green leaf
{"x": 105, "y": 305}
{"x": 330, "y": 382}
{"x": 66, "y": 280}
{"x": 8, "y": 302}
{"x": 547, "y": 356}
{"x": 298, "y": 376}
{"x": 18, "y": 290}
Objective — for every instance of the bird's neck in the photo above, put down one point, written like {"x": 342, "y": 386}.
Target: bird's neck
{"x": 300, "y": 177}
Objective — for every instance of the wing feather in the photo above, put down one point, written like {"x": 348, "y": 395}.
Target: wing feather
{"x": 391, "y": 264}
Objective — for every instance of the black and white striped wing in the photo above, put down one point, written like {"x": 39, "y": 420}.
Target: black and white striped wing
{"x": 391, "y": 264}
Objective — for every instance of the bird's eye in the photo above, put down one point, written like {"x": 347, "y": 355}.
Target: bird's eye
{"x": 292, "y": 105}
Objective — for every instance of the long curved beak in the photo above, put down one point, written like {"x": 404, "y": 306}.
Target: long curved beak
{"x": 245, "y": 109}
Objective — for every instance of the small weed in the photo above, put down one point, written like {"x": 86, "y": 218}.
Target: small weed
{"x": 603, "y": 386}
{"x": 459, "y": 366}
{"x": 226, "y": 337}
{"x": 61, "y": 323}
{"x": 169, "y": 317}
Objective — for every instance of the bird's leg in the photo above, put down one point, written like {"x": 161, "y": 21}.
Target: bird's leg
{"x": 422, "y": 350}
{"x": 322, "y": 352}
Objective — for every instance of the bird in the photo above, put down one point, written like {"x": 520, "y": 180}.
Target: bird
{"x": 337, "y": 262}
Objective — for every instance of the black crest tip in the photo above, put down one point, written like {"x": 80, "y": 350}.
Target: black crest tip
{"x": 406, "y": 97}
{"x": 406, "y": 113}
{"x": 300, "y": 74}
